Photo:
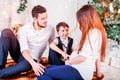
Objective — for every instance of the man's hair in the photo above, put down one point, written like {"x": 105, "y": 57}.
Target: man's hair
{"x": 38, "y": 9}
{"x": 63, "y": 24}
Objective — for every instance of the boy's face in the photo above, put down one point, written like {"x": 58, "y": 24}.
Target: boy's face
{"x": 63, "y": 32}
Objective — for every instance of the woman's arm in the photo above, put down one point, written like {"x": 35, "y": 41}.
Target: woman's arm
{"x": 76, "y": 60}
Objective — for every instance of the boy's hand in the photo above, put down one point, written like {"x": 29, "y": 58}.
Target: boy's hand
{"x": 65, "y": 56}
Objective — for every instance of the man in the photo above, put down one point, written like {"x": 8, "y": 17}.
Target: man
{"x": 33, "y": 39}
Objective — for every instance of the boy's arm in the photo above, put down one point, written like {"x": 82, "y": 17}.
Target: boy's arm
{"x": 55, "y": 48}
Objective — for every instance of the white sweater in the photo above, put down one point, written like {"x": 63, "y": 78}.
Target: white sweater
{"x": 87, "y": 68}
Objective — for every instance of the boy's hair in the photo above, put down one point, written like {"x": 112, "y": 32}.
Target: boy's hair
{"x": 38, "y": 9}
{"x": 63, "y": 24}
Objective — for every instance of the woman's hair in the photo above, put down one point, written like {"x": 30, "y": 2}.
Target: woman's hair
{"x": 38, "y": 9}
{"x": 63, "y": 24}
{"x": 88, "y": 19}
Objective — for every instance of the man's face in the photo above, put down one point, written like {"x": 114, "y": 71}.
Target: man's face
{"x": 42, "y": 20}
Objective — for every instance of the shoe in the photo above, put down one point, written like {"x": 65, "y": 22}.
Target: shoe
{"x": 98, "y": 77}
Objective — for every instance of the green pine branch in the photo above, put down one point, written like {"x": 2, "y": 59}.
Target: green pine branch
{"x": 22, "y": 6}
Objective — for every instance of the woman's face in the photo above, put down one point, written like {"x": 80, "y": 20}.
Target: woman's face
{"x": 63, "y": 32}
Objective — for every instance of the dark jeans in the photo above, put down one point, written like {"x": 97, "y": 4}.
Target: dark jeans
{"x": 55, "y": 58}
{"x": 63, "y": 72}
{"x": 9, "y": 44}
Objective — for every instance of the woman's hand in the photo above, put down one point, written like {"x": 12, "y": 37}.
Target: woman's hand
{"x": 68, "y": 62}
{"x": 75, "y": 60}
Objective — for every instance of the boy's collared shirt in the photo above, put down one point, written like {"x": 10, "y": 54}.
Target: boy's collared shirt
{"x": 64, "y": 41}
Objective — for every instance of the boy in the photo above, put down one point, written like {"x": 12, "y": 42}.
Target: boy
{"x": 61, "y": 47}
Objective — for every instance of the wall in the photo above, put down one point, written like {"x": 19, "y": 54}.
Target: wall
{"x": 9, "y": 16}
{"x": 58, "y": 10}
{"x": 4, "y": 12}
{"x": 62, "y": 10}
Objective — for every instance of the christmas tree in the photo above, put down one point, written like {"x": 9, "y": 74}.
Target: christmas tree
{"x": 109, "y": 12}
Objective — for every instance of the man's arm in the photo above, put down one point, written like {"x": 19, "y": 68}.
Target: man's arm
{"x": 22, "y": 38}
{"x": 38, "y": 68}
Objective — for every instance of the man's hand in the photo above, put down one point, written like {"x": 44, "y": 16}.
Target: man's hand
{"x": 38, "y": 68}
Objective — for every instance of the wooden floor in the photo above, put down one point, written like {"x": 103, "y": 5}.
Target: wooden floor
{"x": 29, "y": 75}
{"x": 23, "y": 76}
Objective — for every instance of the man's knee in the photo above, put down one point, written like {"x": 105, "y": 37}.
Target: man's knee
{"x": 7, "y": 33}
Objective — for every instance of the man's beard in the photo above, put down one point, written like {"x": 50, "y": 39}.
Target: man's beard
{"x": 40, "y": 25}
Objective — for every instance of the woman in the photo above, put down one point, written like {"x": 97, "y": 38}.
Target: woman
{"x": 92, "y": 46}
